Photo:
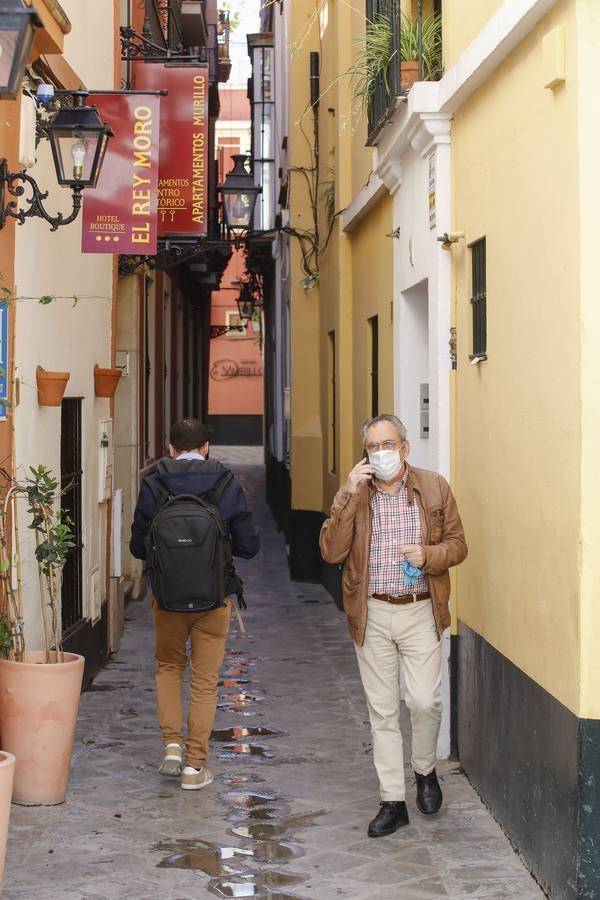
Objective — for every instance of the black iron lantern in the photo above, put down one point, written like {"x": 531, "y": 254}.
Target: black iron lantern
{"x": 78, "y": 138}
{"x": 17, "y": 30}
{"x": 245, "y": 303}
{"x": 239, "y": 195}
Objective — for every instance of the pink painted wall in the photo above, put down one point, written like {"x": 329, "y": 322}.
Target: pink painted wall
{"x": 236, "y": 361}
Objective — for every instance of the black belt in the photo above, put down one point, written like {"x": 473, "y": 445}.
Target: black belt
{"x": 402, "y": 598}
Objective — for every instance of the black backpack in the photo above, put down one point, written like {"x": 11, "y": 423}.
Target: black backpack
{"x": 188, "y": 550}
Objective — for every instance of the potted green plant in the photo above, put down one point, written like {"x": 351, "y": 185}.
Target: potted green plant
{"x": 377, "y": 54}
{"x": 373, "y": 60}
{"x": 39, "y": 689}
{"x": 431, "y": 49}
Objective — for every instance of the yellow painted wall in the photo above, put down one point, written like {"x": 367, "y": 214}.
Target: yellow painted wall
{"x": 518, "y": 414}
{"x": 307, "y": 435}
{"x": 372, "y": 278}
{"x": 462, "y": 21}
{"x": 587, "y": 137}
{"x": 355, "y": 272}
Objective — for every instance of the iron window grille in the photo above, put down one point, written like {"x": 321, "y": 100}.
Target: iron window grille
{"x": 387, "y": 83}
{"x": 479, "y": 298}
{"x": 71, "y": 502}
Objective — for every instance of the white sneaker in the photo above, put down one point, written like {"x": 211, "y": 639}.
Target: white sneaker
{"x": 172, "y": 760}
{"x": 194, "y": 779}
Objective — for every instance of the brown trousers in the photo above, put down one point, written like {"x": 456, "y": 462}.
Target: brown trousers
{"x": 207, "y": 633}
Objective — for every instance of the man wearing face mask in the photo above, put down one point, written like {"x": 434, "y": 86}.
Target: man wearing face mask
{"x": 397, "y": 530}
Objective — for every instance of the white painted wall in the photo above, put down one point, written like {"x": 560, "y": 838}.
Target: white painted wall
{"x": 422, "y": 293}
{"x": 60, "y": 337}
{"x": 63, "y": 336}
{"x": 412, "y": 366}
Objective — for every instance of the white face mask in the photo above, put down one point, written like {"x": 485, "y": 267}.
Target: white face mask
{"x": 386, "y": 464}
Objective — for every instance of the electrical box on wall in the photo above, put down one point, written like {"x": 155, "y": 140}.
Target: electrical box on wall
{"x": 105, "y": 460}
{"x": 424, "y": 410}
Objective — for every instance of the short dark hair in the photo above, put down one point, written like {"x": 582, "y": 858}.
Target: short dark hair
{"x": 188, "y": 434}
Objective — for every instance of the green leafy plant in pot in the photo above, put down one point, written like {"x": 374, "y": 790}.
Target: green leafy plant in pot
{"x": 39, "y": 688}
{"x": 377, "y": 54}
{"x": 431, "y": 49}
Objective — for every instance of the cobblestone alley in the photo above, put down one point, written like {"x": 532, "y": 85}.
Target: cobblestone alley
{"x": 295, "y": 787}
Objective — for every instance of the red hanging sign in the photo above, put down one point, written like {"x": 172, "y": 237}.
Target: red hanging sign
{"x": 120, "y": 214}
{"x": 183, "y": 175}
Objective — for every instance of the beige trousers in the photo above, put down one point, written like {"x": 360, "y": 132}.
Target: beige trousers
{"x": 207, "y": 633}
{"x": 401, "y": 636}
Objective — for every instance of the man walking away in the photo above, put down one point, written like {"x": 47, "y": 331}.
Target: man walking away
{"x": 168, "y": 494}
{"x": 397, "y": 530}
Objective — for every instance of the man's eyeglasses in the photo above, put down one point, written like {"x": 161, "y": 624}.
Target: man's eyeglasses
{"x": 373, "y": 447}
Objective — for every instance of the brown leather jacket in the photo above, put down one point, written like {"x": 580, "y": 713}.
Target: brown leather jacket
{"x": 346, "y": 537}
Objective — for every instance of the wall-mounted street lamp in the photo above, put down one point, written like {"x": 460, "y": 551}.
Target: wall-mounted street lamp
{"x": 245, "y": 303}
{"x": 17, "y": 30}
{"x": 78, "y": 138}
{"x": 239, "y": 194}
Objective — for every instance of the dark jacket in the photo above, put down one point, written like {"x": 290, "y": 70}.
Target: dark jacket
{"x": 195, "y": 476}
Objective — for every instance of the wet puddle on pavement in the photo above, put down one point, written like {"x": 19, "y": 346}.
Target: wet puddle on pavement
{"x": 237, "y": 701}
{"x": 263, "y": 813}
{"x": 203, "y": 856}
{"x": 260, "y": 885}
{"x": 241, "y": 731}
{"x": 239, "y": 778}
{"x": 250, "y": 799}
{"x": 261, "y": 820}
{"x": 257, "y": 751}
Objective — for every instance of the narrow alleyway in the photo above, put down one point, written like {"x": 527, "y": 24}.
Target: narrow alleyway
{"x": 295, "y": 787}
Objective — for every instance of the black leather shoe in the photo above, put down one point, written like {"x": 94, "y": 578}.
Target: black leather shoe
{"x": 391, "y": 816}
{"x": 429, "y": 793}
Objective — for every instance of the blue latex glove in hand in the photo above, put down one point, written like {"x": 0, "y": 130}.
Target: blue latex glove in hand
{"x": 411, "y": 573}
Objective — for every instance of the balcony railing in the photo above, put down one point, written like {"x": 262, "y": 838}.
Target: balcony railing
{"x": 223, "y": 29}
{"x": 164, "y": 21}
{"x": 387, "y": 81}
{"x": 414, "y": 54}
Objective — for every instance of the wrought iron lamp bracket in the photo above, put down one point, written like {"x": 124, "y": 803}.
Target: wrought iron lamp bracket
{"x": 129, "y": 264}
{"x": 217, "y": 331}
{"x": 140, "y": 46}
{"x": 8, "y": 183}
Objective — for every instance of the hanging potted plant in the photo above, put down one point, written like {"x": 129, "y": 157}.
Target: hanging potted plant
{"x": 373, "y": 61}
{"x": 106, "y": 381}
{"x": 431, "y": 49}
{"x": 39, "y": 689}
{"x": 51, "y": 386}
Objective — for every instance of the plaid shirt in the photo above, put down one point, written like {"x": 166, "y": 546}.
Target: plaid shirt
{"x": 395, "y": 524}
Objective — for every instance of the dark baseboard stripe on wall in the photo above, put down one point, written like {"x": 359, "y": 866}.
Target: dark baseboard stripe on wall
{"x": 522, "y": 751}
{"x": 454, "y": 696}
{"x": 588, "y": 831}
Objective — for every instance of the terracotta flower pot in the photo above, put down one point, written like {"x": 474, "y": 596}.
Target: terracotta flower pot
{"x": 7, "y": 771}
{"x": 409, "y": 73}
{"x": 51, "y": 386}
{"x": 106, "y": 381}
{"x": 38, "y": 712}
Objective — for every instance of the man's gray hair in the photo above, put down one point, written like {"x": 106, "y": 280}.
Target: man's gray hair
{"x": 394, "y": 420}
